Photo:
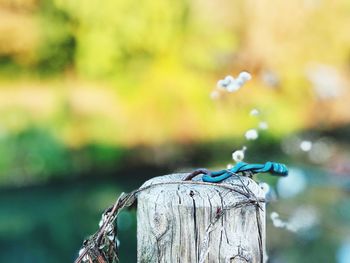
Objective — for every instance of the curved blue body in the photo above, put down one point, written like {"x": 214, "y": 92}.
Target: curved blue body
{"x": 269, "y": 167}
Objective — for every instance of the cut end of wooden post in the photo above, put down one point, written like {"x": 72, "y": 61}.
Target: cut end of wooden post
{"x": 193, "y": 221}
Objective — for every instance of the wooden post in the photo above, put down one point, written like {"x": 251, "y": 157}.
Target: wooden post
{"x": 192, "y": 221}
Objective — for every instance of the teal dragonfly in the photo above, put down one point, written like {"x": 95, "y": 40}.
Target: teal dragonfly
{"x": 273, "y": 168}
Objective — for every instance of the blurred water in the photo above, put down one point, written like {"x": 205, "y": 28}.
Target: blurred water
{"x": 49, "y": 223}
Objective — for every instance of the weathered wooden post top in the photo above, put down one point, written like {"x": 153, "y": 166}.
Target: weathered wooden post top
{"x": 219, "y": 217}
{"x": 201, "y": 222}
{"x": 198, "y": 217}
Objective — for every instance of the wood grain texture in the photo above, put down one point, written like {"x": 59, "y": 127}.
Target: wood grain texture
{"x": 200, "y": 222}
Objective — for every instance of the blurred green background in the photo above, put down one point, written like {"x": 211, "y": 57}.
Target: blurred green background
{"x": 98, "y": 96}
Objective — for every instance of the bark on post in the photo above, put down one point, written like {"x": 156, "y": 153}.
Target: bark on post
{"x": 192, "y": 221}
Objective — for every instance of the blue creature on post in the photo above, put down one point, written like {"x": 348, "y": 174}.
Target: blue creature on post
{"x": 273, "y": 168}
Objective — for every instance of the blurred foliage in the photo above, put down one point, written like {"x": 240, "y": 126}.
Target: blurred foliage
{"x": 35, "y": 156}
{"x": 57, "y": 46}
{"x": 31, "y": 153}
{"x": 130, "y": 73}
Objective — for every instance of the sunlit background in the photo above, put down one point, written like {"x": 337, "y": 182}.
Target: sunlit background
{"x": 97, "y": 96}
